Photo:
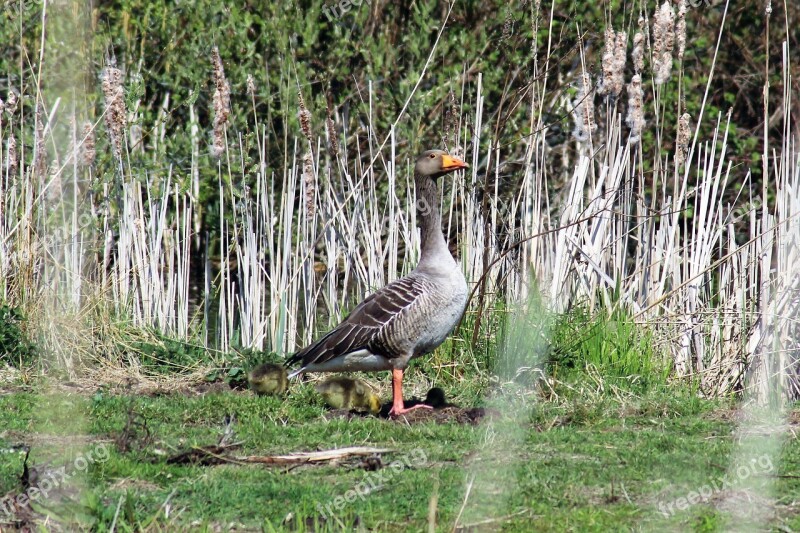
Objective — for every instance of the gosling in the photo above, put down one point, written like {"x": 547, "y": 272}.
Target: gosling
{"x": 268, "y": 379}
{"x": 347, "y": 393}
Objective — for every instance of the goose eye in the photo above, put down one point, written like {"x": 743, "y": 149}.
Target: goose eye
{"x": 432, "y": 156}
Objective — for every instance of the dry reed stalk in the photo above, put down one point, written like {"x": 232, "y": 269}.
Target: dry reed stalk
{"x": 39, "y": 166}
{"x": 221, "y": 103}
{"x": 54, "y": 189}
{"x": 116, "y": 119}
{"x": 663, "y": 42}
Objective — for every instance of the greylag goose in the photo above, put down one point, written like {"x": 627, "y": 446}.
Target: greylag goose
{"x": 348, "y": 393}
{"x": 410, "y": 316}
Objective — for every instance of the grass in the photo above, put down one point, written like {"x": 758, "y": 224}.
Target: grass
{"x": 572, "y": 458}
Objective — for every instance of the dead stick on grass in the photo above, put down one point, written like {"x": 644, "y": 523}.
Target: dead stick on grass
{"x": 312, "y": 457}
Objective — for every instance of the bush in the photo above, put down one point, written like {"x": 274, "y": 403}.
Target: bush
{"x": 15, "y": 347}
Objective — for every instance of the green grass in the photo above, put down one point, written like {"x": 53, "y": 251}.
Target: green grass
{"x": 573, "y": 459}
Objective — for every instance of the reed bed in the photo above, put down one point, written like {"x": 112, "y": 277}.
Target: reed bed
{"x": 623, "y": 223}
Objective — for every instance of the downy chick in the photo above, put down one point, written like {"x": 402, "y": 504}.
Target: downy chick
{"x": 268, "y": 379}
{"x": 348, "y": 393}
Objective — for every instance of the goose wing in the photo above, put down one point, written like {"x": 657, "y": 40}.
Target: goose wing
{"x": 367, "y": 326}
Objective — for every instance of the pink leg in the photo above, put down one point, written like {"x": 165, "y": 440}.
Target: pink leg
{"x": 397, "y": 395}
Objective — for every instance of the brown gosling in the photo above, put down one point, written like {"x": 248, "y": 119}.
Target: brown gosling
{"x": 268, "y": 379}
{"x": 348, "y": 393}
{"x": 437, "y": 399}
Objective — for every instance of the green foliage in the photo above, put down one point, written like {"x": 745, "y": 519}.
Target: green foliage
{"x": 165, "y": 355}
{"x": 611, "y": 343}
{"x": 15, "y": 346}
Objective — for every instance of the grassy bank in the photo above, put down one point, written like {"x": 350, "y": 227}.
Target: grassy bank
{"x": 574, "y": 458}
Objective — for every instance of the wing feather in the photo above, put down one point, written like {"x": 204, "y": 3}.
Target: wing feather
{"x": 363, "y": 328}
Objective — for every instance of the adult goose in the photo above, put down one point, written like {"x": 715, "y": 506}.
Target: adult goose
{"x": 412, "y": 315}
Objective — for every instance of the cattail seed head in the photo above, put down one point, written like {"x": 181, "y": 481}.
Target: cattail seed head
{"x": 620, "y": 53}
{"x": 11, "y": 155}
{"x": 450, "y": 118}
{"x": 87, "y": 152}
{"x": 635, "y": 117}
{"x": 11, "y": 102}
{"x": 680, "y": 29}
{"x": 113, "y": 94}
{"x": 663, "y": 42}
{"x": 309, "y": 181}
{"x": 682, "y": 141}
{"x": 333, "y": 136}
{"x": 508, "y": 24}
{"x": 251, "y": 85}
{"x": 613, "y": 63}
{"x": 305, "y": 117}
{"x": 221, "y": 102}
{"x": 583, "y": 110}
{"x": 608, "y": 60}
{"x": 637, "y": 55}
{"x": 644, "y": 28}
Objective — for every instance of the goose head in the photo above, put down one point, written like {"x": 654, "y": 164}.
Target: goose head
{"x": 435, "y": 163}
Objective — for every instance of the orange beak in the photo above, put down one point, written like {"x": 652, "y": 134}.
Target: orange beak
{"x": 452, "y": 163}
